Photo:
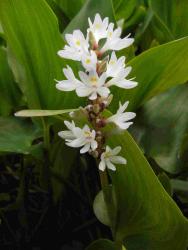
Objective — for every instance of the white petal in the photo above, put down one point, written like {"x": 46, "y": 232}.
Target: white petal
{"x": 123, "y": 107}
{"x": 102, "y": 165}
{"x": 83, "y": 91}
{"x": 66, "y": 85}
{"x": 127, "y": 84}
{"x": 69, "y": 125}
{"x": 66, "y": 135}
{"x": 127, "y": 116}
{"x": 83, "y": 76}
{"x": 110, "y": 166}
{"x": 116, "y": 150}
{"x": 125, "y": 125}
{"x": 103, "y": 91}
{"x": 93, "y": 145}
{"x": 93, "y": 96}
{"x": 76, "y": 143}
{"x": 85, "y": 148}
{"x": 118, "y": 160}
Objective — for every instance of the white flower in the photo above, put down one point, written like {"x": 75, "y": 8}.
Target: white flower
{"x": 76, "y": 137}
{"x": 89, "y": 60}
{"x": 121, "y": 118}
{"x": 120, "y": 79}
{"x": 77, "y": 45}
{"x": 115, "y": 66}
{"x": 110, "y": 157}
{"x": 98, "y": 27}
{"x": 71, "y": 83}
{"x": 68, "y": 134}
{"x": 114, "y": 42}
{"x": 92, "y": 85}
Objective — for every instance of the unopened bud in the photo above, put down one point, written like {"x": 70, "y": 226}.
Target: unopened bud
{"x": 92, "y": 41}
{"x": 101, "y": 122}
{"x": 109, "y": 100}
{"x": 102, "y": 66}
{"x": 89, "y": 108}
{"x": 96, "y": 108}
{"x": 95, "y": 154}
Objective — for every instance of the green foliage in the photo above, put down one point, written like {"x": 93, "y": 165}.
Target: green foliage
{"x": 145, "y": 216}
{"x": 164, "y": 132}
{"x": 103, "y": 7}
{"x": 16, "y": 135}
{"x": 143, "y": 205}
{"x": 153, "y": 71}
{"x": 9, "y": 93}
{"x": 39, "y": 112}
{"x": 170, "y": 15}
{"x": 101, "y": 244}
{"x": 124, "y": 8}
{"x": 67, "y": 6}
{"x": 33, "y": 44}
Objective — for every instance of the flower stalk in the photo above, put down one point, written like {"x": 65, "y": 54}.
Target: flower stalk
{"x": 101, "y": 70}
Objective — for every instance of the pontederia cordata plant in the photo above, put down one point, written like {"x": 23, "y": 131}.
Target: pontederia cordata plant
{"x": 70, "y": 153}
{"x": 101, "y": 70}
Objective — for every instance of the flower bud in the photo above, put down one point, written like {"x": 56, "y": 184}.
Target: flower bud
{"x": 92, "y": 41}
{"x": 96, "y": 108}
{"x": 102, "y": 66}
{"x": 101, "y": 122}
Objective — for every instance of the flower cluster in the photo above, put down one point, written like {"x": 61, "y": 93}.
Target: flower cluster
{"x": 101, "y": 70}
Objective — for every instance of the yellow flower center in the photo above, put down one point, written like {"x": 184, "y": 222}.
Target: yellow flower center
{"x": 78, "y": 43}
{"x": 112, "y": 62}
{"x": 93, "y": 80}
{"x": 110, "y": 34}
{"x": 88, "y": 61}
{"x": 87, "y": 134}
{"x": 107, "y": 154}
{"x": 97, "y": 26}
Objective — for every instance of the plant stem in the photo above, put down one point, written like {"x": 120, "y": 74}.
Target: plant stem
{"x": 46, "y": 134}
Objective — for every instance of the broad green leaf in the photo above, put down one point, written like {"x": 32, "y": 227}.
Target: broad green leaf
{"x": 16, "y": 135}
{"x": 9, "y": 93}
{"x": 33, "y": 38}
{"x": 171, "y": 14}
{"x": 146, "y": 218}
{"x": 101, "y": 244}
{"x": 164, "y": 127}
{"x": 179, "y": 185}
{"x": 100, "y": 209}
{"x": 62, "y": 160}
{"x": 90, "y": 8}
{"x": 156, "y": 70}
{"x": 62, "y": 18}
{"x": 165, "y": 181}
{"x": 39, "y": 112}
{"x": 70, "y": 8}
{"x": 124, "y": 8}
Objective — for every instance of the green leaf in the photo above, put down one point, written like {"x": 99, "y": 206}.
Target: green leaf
{"x": 9, "y": 93}
{"x": 165, "y": 181}
{"x": 101, "y": 244}
{"x": 100, "y": 209}
{"x": 147, "y": 217}
{"x": 90, "y": 8}
{"x": 16, "y": 135}
{"x": 172, "y": 15}
{"x": 39, "y": 112}
{"x": 156, "y": 70}
{"x": 124, "y": 8}
{"x": 62, "y": 158}
{"x": 67, "y": 6}
{"x": 180, "y": 185}
{"x": 163, "y": 132}
{"x": 33, "y": 38}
